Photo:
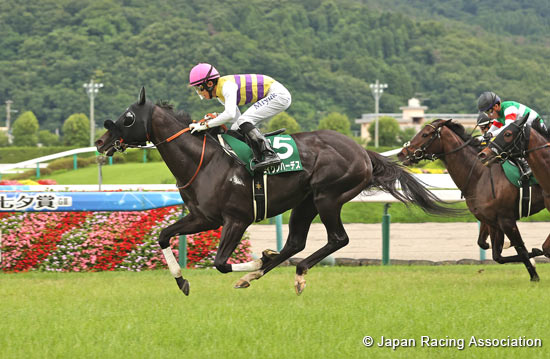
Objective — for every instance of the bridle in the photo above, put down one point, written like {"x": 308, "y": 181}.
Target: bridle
{"x": 422, "y": 154}
{"x": 120, "y": 146}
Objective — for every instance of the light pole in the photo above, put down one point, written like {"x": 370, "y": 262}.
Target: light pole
{"x": 377, "y": 90}
{"x": 92, "y": 88}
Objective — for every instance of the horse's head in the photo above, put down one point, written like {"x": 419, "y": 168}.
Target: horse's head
{"x": 129, "y": 130}
{"x": 423, "y": 146}
{"x": 507, "y": 144}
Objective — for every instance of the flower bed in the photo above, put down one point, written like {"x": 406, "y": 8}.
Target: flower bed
{"x": 98, "y": 241}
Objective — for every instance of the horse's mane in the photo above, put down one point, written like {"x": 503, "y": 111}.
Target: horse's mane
{"x": 460, "y": 131}
{"x": 181, "y": 116}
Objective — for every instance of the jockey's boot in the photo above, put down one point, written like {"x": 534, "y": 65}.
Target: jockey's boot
{"x": 524, "y": 168}
{"x": 264, "y": 156}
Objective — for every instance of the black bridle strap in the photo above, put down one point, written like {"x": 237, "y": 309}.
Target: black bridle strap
{"x": 536, "y": 148}
{"x": 468, "y": 178}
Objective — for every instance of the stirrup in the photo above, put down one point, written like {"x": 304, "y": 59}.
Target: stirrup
{"x": 274, "y": 161}
{"x": 525, "y": 176}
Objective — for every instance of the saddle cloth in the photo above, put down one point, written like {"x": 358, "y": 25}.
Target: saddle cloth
{"x": 512, "y": 173}
{"x": 283, "y": 145}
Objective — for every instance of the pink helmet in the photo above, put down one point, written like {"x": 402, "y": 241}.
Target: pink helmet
{"x": 201, "y": 73}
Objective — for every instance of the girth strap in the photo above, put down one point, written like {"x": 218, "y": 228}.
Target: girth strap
{"x": 259, "y": 198}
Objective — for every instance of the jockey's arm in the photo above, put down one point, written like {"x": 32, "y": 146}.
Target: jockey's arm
{"x": 231, "y": 112}
{"x": 509, "y": 117}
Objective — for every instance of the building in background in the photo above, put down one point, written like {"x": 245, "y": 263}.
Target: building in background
{"x": 414, "y": 115}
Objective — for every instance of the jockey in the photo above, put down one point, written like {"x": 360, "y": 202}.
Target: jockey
{"x": 266, "y": 97}
{"x": 502, "y": 114}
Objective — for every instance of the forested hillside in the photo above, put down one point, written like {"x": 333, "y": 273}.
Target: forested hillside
{"x": 325, "y": 51}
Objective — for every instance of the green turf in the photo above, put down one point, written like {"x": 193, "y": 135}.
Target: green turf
{"x": 143, "y": 315}
{"x": 120, "y": 173}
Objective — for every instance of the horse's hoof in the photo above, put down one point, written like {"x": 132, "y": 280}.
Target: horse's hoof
{"x": 242, "y": 284}
{"x": 483, "y": 245}
{"x": 183, "y": 284}
{"x": 535, "y": 279}
{"x": 537, "y": 252}
{"x": 299, "y": 283}
{"x": 269, "y": 254}
{"x": 299, "y": 286}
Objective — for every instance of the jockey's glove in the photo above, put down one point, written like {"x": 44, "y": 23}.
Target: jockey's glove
{"x": 210, "y": 116}
{"x": 199, "y": 126}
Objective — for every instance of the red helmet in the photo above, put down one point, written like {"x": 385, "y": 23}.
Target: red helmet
{"x": 202, "y": 73}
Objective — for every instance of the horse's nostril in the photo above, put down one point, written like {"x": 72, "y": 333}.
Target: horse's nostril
{"x": 99, "y": 143}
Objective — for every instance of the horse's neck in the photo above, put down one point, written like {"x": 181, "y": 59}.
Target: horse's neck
{"x": 538, "y": 157}
{"x": 462, "y": 165}
{"x": 183, "y": 153}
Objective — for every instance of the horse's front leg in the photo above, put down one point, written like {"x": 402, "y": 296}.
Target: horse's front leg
{"x": 187, "y": 225}
{"x": 512, "y": 232}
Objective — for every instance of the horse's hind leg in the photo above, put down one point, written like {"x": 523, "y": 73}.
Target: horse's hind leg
{"x": 329, "y": 211}
{"x": 299, "y": 223}
{"x": 546, "y": 247}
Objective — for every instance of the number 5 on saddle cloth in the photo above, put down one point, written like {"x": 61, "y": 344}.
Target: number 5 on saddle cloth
{"x": 286, "y": 149}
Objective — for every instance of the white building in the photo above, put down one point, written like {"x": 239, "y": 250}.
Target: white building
{"x": 413, "y": 115}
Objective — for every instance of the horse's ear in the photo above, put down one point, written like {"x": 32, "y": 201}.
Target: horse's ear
{"x": 448, "y": 121}
{"x": 109, "y": 124}
{"x": 520, "y": 122}
{"x": 141, "y": 100}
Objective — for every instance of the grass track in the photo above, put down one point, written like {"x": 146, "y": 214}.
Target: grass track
{"x": 143, "y": 315}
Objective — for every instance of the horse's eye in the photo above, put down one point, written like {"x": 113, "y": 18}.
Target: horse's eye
{"x": 129, "y": 119}
{"x": 424, "y": 135}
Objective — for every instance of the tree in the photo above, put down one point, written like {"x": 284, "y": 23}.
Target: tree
{"x": 76, "y": 130}
{"x": 4, "y": 140}
{"x": 337, "y": 122}
{"x": 46, "y": 138}
{"x": 407, "y": 134}
{"x": 25, "y": 130}
{"x": 388, "y": 131}
{"x": 283, "y": 120}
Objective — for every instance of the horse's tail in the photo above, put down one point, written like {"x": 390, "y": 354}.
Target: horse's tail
{"x": 387, "y": 174}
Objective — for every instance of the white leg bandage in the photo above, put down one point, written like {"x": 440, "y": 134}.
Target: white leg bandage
{"x": 247, "y": 267}
{"x": 173, "y": 264}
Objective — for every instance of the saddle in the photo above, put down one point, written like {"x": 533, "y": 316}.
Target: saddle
{"x": 235, "y": 145}
{"x": 513, "y": 175}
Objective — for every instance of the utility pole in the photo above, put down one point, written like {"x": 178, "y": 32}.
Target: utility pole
{"x": 92, "y": 88}
{"x": 8, "y": 119}
{"x": 377, "y": 90}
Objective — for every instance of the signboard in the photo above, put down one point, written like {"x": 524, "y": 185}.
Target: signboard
{"x": 86, "y": 201}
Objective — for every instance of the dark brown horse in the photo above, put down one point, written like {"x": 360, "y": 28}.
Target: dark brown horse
{"x": 489, "y": 195}
{"x": 217, "y": 189}
{"x": 519, "y": 140}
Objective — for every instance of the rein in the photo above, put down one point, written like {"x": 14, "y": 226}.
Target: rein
{"x": 173, "y": 137}
{"x": 547, "y": 144}
{"x": 200, "y": 163}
